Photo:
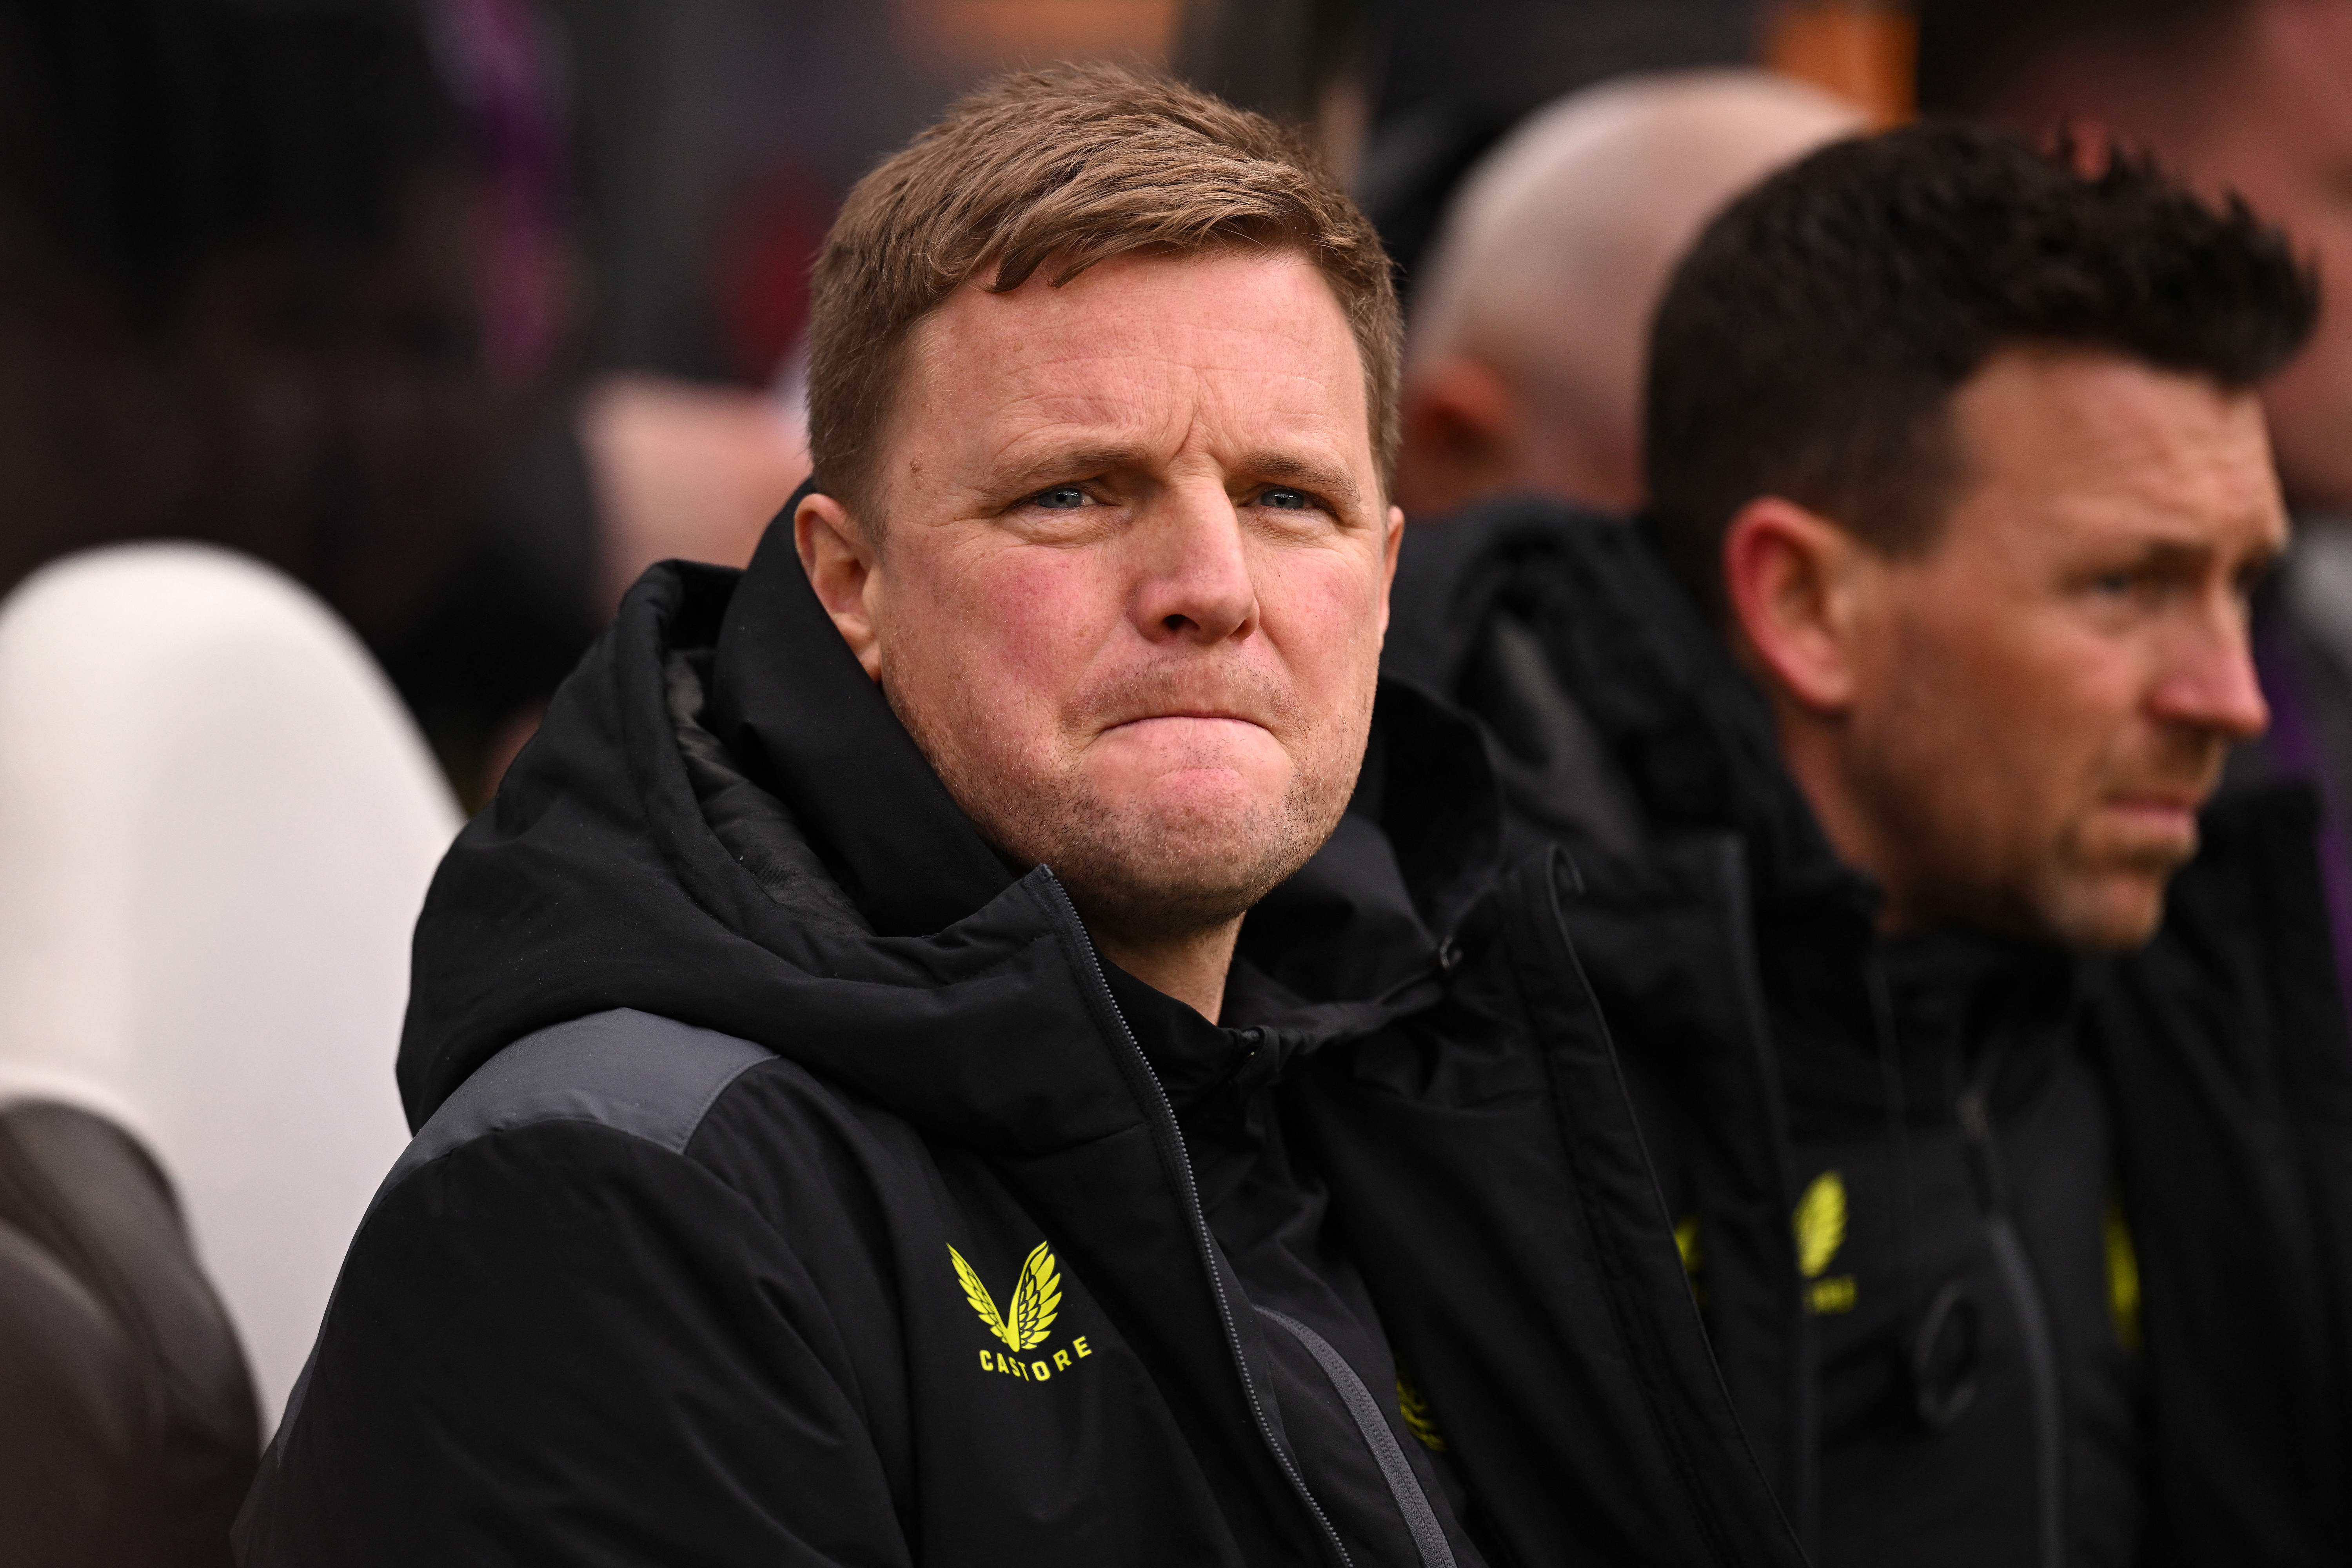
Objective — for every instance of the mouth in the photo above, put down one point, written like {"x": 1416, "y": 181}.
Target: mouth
{"x": 1188, "y": 715}
{"x": 2167, "y": 816}
{"x": 2168, "y": 802}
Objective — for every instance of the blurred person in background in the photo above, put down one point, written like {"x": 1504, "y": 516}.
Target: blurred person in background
{"x": 685, "y": 470}
{"x": 858, "y": 1122}
{"x": 287, "y": 278}
{"x": 2254, "y": 98}
{"x": 1524, "y": 363}
{"x": 2010, "y": 1144}
{"x": 1405, "y": 97}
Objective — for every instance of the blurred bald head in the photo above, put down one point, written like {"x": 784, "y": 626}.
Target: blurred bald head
{"x": 1525, "y": 364}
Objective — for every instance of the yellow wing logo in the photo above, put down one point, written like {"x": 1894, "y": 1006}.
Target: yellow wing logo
{"x": 1028, "y": 1318}
{"x": 1417, "y": 1418}
{"x": 1820, "y": 1224}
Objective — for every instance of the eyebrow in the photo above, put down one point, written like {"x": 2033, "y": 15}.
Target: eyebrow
{"x": 1282, "y": 467}
{"x": 1064, "y": 463}
{"x": 2168, "y": 554}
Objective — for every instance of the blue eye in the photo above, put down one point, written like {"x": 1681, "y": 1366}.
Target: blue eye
{"x": 1060, "y": 498}
{"x": 1287, "y": 500}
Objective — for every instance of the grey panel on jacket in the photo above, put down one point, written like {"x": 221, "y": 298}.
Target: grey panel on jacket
{"x": 634, "y": 1071}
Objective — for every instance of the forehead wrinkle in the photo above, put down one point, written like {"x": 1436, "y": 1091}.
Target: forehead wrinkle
{"x": 1056, "y": 389}
{"x": 1122, "y": 370}
{"x": 1114, "y": 427}
{"x": 1179, "y": 350}
{"x": 2130, "y": 456}
{"x": 1124, "y": 434}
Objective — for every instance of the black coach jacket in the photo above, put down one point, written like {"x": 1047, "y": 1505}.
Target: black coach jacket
{"x": 2203, "y": 1081}
{"x": 793, "y": 1184}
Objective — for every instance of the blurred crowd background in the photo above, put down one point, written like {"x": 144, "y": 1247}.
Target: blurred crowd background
{"x": 460, "y": 313}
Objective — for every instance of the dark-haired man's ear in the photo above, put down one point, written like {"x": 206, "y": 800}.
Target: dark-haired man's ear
{"x": 1790, "y": 577}
{"x": 840, "y": 564}
{"x": 1461, "y": 425}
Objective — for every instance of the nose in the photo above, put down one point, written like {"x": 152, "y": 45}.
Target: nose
{"x": 1195, "y": 583}
{"x": 2212, "y": 685}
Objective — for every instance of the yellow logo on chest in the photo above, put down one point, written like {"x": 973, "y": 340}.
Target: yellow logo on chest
{"x": 1027, "y": 1320}
{"x": 1820, "y": 1225}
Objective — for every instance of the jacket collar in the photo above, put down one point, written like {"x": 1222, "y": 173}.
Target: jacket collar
{"x": 797, "y": 712}
{"x": 1690, "y": 732}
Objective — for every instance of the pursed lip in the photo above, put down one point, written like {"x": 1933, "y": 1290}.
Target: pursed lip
{"x": 1203, "y": 714}
{"x": 2165, "y": 808}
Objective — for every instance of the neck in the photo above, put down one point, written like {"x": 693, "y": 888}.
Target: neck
{"x": 1190, "y": 968}
{"x": 1854, "y": 834}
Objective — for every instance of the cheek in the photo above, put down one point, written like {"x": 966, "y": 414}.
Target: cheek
{"x": 1949, "y": 715}
{"x": 1322, "y": 610}
{"x": 1000, "y": 636}
{"x": 2028, "y": 719}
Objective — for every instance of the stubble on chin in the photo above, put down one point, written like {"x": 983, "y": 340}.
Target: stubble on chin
{"x": 1148, "y": 875}
{"x": 2108, "y": 903}
{"x": 1133, "y": 867}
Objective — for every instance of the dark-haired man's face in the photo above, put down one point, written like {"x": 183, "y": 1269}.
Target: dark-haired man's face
{"x": 1131, "y": 577}
{"x": 2023, "y": 719}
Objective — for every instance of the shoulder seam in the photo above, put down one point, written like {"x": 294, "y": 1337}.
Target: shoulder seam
{"x": 615, "y": 1069}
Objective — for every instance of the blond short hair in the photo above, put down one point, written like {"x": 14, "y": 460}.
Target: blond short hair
{"x": 1070, "y": 166}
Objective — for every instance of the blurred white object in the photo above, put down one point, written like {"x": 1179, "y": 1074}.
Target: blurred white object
{"x": 216, "y": 826}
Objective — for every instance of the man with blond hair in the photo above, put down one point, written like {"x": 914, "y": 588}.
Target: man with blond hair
{"x": 856, "y": 1121}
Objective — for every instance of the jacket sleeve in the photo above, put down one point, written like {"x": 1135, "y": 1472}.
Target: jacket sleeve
{"x": 561, "y": 1344}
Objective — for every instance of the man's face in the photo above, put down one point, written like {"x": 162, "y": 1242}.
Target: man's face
{"x": 2043, "y": 698}
{"x": 1129, "y": 575}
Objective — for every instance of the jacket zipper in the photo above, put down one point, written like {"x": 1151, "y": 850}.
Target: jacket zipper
{"x": 1404, "y": 1491}
{"x": 1172, "y": 1147}
{"x": 2025, "y": 1297}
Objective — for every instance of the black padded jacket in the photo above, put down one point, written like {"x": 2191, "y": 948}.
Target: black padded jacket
{"x": 795, "y": 1184}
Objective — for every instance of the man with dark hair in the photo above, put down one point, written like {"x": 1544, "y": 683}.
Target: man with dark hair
{"x": 2254, "y": 98}
{"x": 2015, "y": 1192}
{"x": 855, "y": 1123}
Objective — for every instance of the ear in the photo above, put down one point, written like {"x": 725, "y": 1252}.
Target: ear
{"x": 843, "y": 568}
{"x": 1792, "y": 578}
{"x": 1389, "y": 550}
{"x": 1461, "y": 425}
